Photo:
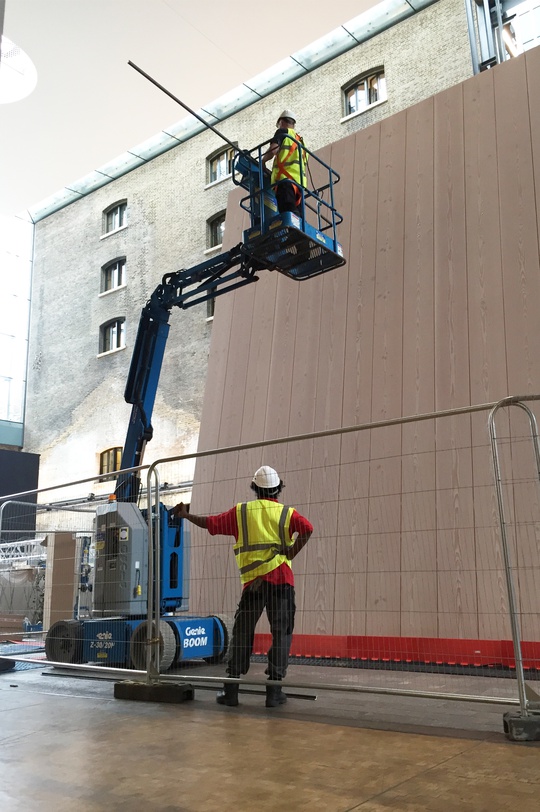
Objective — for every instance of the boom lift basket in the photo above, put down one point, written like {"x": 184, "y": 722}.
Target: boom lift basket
{"x": 286, "y": 241}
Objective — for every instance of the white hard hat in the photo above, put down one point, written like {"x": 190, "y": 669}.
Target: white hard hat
{"x": 266, "y": 477}
{"x": 286, "y": 114}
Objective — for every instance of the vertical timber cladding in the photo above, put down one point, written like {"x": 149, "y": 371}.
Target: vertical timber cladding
{"x": 435, "y": 309}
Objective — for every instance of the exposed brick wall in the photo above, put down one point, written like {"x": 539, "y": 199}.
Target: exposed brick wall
{"x": 75, "y": 406}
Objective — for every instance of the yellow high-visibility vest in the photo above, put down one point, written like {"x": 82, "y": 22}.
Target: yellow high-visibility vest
{"x": 287, "y": 164}
{"x": 263, "y": 537}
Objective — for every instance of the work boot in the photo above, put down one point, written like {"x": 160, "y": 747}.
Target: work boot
{"x": 275, "y": 696}
{"x": 228, "y": 695}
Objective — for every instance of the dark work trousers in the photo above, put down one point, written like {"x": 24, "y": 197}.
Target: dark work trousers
{"x": 278, "y": 600}
{"x": 288, "y": 196}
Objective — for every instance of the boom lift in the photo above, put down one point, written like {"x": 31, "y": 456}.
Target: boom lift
{"x": 300, "y": 246}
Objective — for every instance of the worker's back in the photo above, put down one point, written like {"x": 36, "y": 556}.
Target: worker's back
{"x": 263, "y": 537}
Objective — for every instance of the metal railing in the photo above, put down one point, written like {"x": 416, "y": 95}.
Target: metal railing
{"x": 529, "y": 700}
{"x": 526, "y": 697}
{"x": 443, "y": 517}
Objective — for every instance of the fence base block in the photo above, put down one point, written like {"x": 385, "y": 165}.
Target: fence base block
{"x": 159, "y": 692}
{"x": 519, "y": 728}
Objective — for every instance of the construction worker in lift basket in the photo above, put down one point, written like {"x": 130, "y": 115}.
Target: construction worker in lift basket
{"x": 290, "y": 163}
{"x": 264, "y": 548}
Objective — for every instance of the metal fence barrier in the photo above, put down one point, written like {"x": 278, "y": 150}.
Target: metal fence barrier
{"x": 404, "y": 587}
{"x": 419, "y": 580}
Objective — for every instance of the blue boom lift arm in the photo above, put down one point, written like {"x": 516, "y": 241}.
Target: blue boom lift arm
{"x": 299, "y": 245}
{"x": 219, "y": 275}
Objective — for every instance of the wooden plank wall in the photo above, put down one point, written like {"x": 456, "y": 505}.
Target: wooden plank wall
{"x": 437, "y": 308}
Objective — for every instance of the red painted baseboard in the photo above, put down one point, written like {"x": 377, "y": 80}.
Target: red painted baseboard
{"x": 433, "y": 650}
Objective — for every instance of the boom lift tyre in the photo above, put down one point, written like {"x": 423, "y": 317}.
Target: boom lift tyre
{"x": 63, "y": 642}
{"x": 168, "y": 646}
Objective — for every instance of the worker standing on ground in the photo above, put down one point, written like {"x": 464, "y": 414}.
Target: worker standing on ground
{"x": 264, "y": 549}
{"x": 290, "y": 164}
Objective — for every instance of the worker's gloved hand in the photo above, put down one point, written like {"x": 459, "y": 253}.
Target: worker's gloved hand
{"x": 180, "y": 511}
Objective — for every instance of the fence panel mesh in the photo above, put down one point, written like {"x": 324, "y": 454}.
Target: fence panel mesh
{"x": 401, "y": 587}
{"x": 403, "y": 582}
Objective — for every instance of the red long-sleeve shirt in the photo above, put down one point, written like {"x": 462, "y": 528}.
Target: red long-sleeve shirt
{"x": 226, "y": 524}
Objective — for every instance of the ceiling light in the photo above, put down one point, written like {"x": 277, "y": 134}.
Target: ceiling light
{"x": 18, "y": 75}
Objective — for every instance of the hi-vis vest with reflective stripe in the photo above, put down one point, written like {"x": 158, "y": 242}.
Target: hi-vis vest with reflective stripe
{"x": 286, "y": 164}
{"x": 263, "y": 536}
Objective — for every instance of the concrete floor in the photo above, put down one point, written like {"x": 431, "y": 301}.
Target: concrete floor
{"x": 67, "y": 744}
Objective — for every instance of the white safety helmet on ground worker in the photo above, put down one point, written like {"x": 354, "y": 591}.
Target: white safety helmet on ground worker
{"x": 286, "y": 114}
{"x": 266, "y": 477}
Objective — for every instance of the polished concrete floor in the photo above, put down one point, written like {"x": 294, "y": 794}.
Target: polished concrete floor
{"x": 67, "y": 744}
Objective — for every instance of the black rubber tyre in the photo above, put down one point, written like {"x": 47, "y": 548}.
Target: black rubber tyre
{"x": 167, "y": 646}
{"x": 6, "y": 665}
{"x": 64, "y": 642}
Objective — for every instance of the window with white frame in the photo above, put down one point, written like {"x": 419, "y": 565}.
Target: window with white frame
{"x": 523, "y": 32}
{"x": 216, "y": 230}
{"x": 364, "y": 91}
{"x": 112, "y": 335}
{"x": 110, "y": 460}
{"x": 220, "y": 165}
{"x": 113, "y": 274}
{"x": 115, "y": 217}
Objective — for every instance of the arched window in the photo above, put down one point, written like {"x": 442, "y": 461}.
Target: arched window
{"x": 219, "y": 165}
{"x": 112, "y": 335}
{"x": 110, "y": 460}
{"x": 115, "y": 217}
{"x": 113, "y": 274}
{"x": 364, "y": 91}
{"x": 216, "y": 230}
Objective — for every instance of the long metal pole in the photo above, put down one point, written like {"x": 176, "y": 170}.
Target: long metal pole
{"x": 317, "y": 435}
{"x": 396, "y": 421}
{"x": 472, "y": 36}
{"x": 150, "y": 590}
{"x": 182, "y": 104}
{"x": 156, "y": 551}
{"x": 499, "y": 35}
{"x": 512, "y": 602}
{"x": 130, "y": 673}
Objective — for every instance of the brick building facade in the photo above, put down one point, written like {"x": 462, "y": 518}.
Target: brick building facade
{"x": 75, "y": 406}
